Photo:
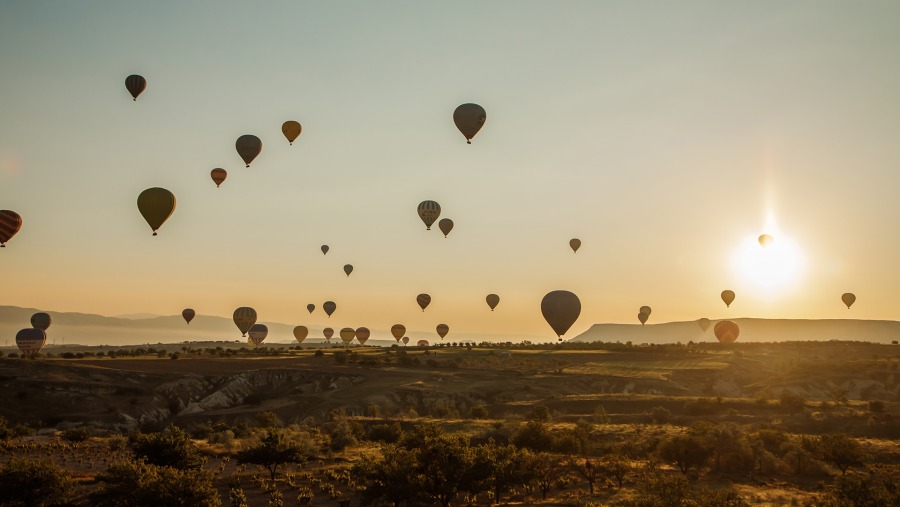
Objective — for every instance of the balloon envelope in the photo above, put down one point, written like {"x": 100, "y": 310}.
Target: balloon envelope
{"x": 422, "y": 343}
{"x": 348, "y": 334}
{"x": 324, "y": 249}
{"x": 726, "y": 331}
{"x": 765, "y": 240}
{"x": 291, "y": 130}
{"x": 248, "y": 147}
{"x": 445, "y": 225}
{"x": 398, "y": 330}
{"x": 728, "y": 297}
{"x": 300, "y": 333}
{"x": 703, "y": 323}
{"x": 848, "y": 298}
{"x": 429, "y": 211}
{"x": 492, "y": 300}
{"x": 348, "y": 269}
{"x": 575, "y": 244}
{"x": 328, "y": 333}
{"x": 329, "y": 307}
{"x": 362, "y": 334}
{"x": 646, "y": 309}
{"x": 218, "y": 175}
{"x": 405, "y": 340}
{"x": 188, "y": 314}
{"x": 41, "y": 321}
{"x": 424, "y": 300}
{"x": 561, "y": 309}
{"x": 156, "y": 205}
{"x": 31, "y": 340}
{"x": 311, "y": 307}
{"x": 643, "y": 317}
{"x": 442, "y": 330}
{"x": 258, "y": 333}
{"x": 135, "y": 84}
{"x": 244, "y": 318}
{"x": 469, "y": 118}
{"x": 10, "y": 223}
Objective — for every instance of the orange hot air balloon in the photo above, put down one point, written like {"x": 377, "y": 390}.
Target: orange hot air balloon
{"x": 248, "y": 147}
{"x": 469, "y": 118}
{"x": 258, "y": 333}
{"x": 156, "y": 206}
{"x": 643, "y": 317}
{"x": 10, "y": 223}
{"x": 765, "y": 240}
{"x": 561, "y": 309}
{"x": 428, "y": 211}
{"x": 422, "y": 343}
{"x": 291, "y": 130}
{"x": 397, "y": 331}
{"x": 442, "y": 330}
{"x": 424, "y": 300}
{"x": 329, "y": 307}
{"x": 848, "y": 298}
{"x": 362, "y": 335}
{"x": 348, "y": 269}
{"x": 347, "y": 335}
{"x": 328, "y": 333}
{"x": 41, "y": 321}
{"x": 324, "y": 249}
{"x": 728, "y": 297}
{"x": 726, "y": 331}
{"x": 300, "y": 333}
{"x": 218, "y": 175}
{"x": 244, "y": 318}
{"x": 575, "y": 244}
{"x": 405, "y": 340}
{"x": 135, "y": 84}
{"x": 188, "y": 315}
{"x": 492, "y": 300}
{"x": 703, "y": 323}
{"x": 311, "y": 308}
{"x": 445, "y": 225}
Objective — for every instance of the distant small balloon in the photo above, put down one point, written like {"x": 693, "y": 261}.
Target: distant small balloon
{"x": 765, "y": 240}
{"x": 397, "y": 331}
{"x": 310, "y": 308}
{"x": 429, "y": 211}
{"x": 424, "y": 300}
{"x": 291, "y": 130}
{"x": 646, "y": 309}
{"x": 10, "y": 223}
{"x": 445, "y": 225}
{"x": 41, "y": 321}
{"x": 703, "y": 323}
{"x": 348, "y": 269}
{"x": 136, "y": 85}
{"x": 575, "y": 244}
{"x": 492, "y": 300}
{"x": 728, "y": 297}
{"x": 258, "y": 333}
{"x": 218, "y": 175}
{"x": 328, "y": 333}
{"x": 329, "y": 307}
{"x": 244, "y": 318}
{"x": 156, "y": 206}
{"x": 248, "y": 147}
{"x": 726, "y": 331}
{"x": 442, "y": 330}
{"x": 362, "y": 335}
{"x": 469, "y": 118}
{"x": 188, "y": 314}
{"x": 848, "y": 298}
{"x": 405, "y": 340}
{"x": 643, "y": 317}
{"x": 300, "y": 333}
{"x": 347, "y": 335}
{"x": 422, "y": 343}
{"x": 324, "y": 249}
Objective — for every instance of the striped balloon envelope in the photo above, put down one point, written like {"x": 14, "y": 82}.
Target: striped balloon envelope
{"x": 362, "y": 334}
{"x": 135, "y": 85}
{"x": 10, "y": 223}
{"x": 424, "y": 300}
{"x": 328, "y": 333}
{"x": 248, "y": 147}
{"x": 397, "y": 331}
{"x": 218, "y": 176}
{"x": 429, "y": 211}
{"x": 422, "y": 343}
{"x": 258, "y": 333}
{"x": 329, "y": 307}
{"x": 347, "y": 335}
{"x": 30, "y": 341}
{"x": 244, "y": 318}
{"x": 442, "y": 330}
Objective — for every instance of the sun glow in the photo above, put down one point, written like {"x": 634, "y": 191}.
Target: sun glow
{"x": 772, "y": 267}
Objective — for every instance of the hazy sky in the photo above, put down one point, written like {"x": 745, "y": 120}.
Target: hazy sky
{"x": 665, "y": 135}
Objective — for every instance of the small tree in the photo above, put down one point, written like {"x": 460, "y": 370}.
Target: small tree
{"x": 841, "y": 451}
{"x": 139, "y": 484}
{"x": 616, "y": 465}
{"x": 170, "y": 448}
{"x": 273, "y": 451}
{"x": 545, "y": 471}
{"x": 392, "y": 480}
{"x": 588, "y": 469}
{"x": 33, "y": 483}
{"x": 686, "y": 451}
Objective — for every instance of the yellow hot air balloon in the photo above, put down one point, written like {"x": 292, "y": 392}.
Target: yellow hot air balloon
{"x": 424, "y": 300}
{"x": 728, "y": 297}
{"x": 311, "y": 308}
{"x": 398, "y": 330}
{"x": 291, "y": 130}
{"x": 244, "y": 318}
{"x": 726, "y": 331}
{"x": 300, "y": 333}
{"x": 329, "y": 307}
{"x": 575, "y": 244}
{"x": 248, "y": 147}
{"x": 218, "y": 175}
{"x": 135, "y": 84}
{"x": 765, "y": 240}
{"x": 328, "y": 333}
{"x": 188, "y": 315}
{"x": 561, "y": 309}
{"x": 258, "y": 333}
{"x": 156, "y": 205}
{"x": 41, "y": 321}
{"x": 703, "y": 323}
{"x": 469, "y": 118}
{"x": 643, "y": 317}
{"x": 492, "y": 300}
{"x": 442, "y": 330}
{"x": 347, "y": 335}
{"x": 362, "y": 335}
{"x": 348, "y": 269}
{"x": 848, "y": 298}
{"x": 429, "y": 211}
{"x": 445, "y": 225}
{"x": 10, "y": 223}
{"x": 31, "y": 340}
{"x": 646, "y": 309}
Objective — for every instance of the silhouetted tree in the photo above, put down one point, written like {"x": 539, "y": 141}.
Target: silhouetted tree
{"x": 686, "y": 451}
{"x": 393, "y": 479}
{"x": 588, "y": 469}
{"x": 169, "y": 448}
{"x": 545, "y": 470}
{"x": 33, "y": 483}
{"x": 140, "y": 484}
{"x": 841, "y": 451}
{"x": 273, "y": 451}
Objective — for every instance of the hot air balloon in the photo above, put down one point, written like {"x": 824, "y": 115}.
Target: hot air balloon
{"x": 442, "y": 330}
{"x": 244, "y": 318}
{"x": 703, "y": 323}
{"x": 646, "y": 309}
{"x": 422, "y": 343}
{"x": 324, "y": 249}
{"x": 248, "y": 147}
{"x": 347, "y": 335}
{"x": 328, "y": 333}
{"x": 445, "y": 225}
{"x": 218, "y": 175}
{"x": 727, "y": 297}
{"x": 135, "y": 85}
{"x": 765, "y": 240}
{"x": 561, "y": 309}
{"x": 156, "y": 205}
{"x": 398, "y": 330}
{"x": 10, "y": 223}
{"x": 429, "y": 211}
{"x": 41, "y": 321}
{"x": 848, "y": 298}
{"x": 291, "y": 130}
{"x": 31, "y": 341}
{"x": 300, "y": 333}
{"x": 643, "y": 317}
{"x": 726, "y": 331}
{"x": 362, "y": 335}
{"x": 258, "y": 333}
{"x": 405, "y": 340}
{"x": 329, "y": 307}
{"x": 575, "y": 244}
{"x": 469, "y": 118}
{"x": 311, "y": 307}
{"x": 492, "y": 300}
{"x": 424, "y": 300}
{"x": 348, "y": 269}
{"x": 188, "y": 314}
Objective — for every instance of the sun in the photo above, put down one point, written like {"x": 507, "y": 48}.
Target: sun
{"x": 769, "y": 261}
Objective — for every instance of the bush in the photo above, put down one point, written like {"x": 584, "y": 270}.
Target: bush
{"x": 660, "y": 415}
{"x": 139, "y": 484}
{"x": 170, "y": 448}
{"x": 76, "y": 435}
{"x": 34, "y": 483}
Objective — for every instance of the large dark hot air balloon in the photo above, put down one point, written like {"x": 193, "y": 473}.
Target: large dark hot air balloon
{"x": 445, "y": 225}
{"x": 442, "y": 330}
{"x": 248, "y": 147}
{"x": 703, "y": 323}
{"x": 329, "y": 307}
{"x": 135, "y": 85}
{"x": 643, "y": 317}
{"x": 311, "y": 308}
{"x": 258, "y": 333}
{"x": 575, "y": 244}
{"x": 30, "y": 341}
{"x": 10, "y": 223}
{"x": 469, "y": 118}
{"x": 561, "y": 309}
{"x": 156, "y": 205}
{"x": 362, "y": 335}
{"x": 328, "y": 333}
{"x": 300, "y": 333}
{"x": 492, "y": 300}
{"x": 848, "y": 298}
{"x": 244, "y": 318}
{"x": 727, "y": 331}
{"x": 429, "y": 211}
{"x": 348, "y": 268}
{"x": 324, "y": 249}
{"x": 188, "y": 314}
{"x": 646, "y": 309}
{"x": 347, "y": 335}
{"x": 218, "y": 175}
{"x": 728, "y": 297}
{"x": 291, "y": 130}
{"x": 397, "y": 331}
{"x": 41, "y": 321}
{"x": 424, "y": 300}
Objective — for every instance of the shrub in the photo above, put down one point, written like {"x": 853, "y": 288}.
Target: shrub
{"x": 169, "y": 448}
{"x": 140, "y": 484}
{"x": 34, "y": 483}
{"x": 660, "y": 415}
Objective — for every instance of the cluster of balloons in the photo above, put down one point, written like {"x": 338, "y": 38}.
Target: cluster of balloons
{"x": 31, "y": 340}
